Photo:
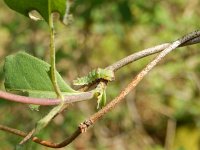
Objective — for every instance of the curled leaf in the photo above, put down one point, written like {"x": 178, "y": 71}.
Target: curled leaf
{"x": 101, "y": 95}
{"x": 34, "y": 15}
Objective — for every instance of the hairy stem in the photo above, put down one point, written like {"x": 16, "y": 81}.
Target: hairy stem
{"x": 53, "y": 55}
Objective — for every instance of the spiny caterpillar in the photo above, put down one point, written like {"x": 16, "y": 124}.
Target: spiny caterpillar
{"x": 95, "y": 75}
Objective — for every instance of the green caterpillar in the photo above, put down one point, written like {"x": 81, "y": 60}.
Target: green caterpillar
{"x": 95, "y": 75}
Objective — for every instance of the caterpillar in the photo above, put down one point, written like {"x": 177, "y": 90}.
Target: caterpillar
{"x": 95, "y": 75}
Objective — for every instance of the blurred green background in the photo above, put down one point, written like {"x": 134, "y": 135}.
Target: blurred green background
{"x": 163, "y": 112}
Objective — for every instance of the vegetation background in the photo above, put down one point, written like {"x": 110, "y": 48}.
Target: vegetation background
{"x": 103, "y": 32}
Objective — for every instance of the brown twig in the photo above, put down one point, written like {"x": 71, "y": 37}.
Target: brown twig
{"x": 88, "y": 95}
{"x": 42, "y": 142}
{"x": 146, "y": 52}
{"x": 141, "y": 75}
{"x": 95, "y": 117}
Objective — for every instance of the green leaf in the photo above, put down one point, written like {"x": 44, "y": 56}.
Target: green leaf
{"x": 41, "y": 6}
{"x": 101, "y": 95}
{"x": 30, "y": 76}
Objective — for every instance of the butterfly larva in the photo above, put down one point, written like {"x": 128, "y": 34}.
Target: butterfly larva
{"x": 95, "y": 75}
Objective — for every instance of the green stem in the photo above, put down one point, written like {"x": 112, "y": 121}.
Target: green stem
{"x": 52, "y": 56}
{"x": 42, "y": 123}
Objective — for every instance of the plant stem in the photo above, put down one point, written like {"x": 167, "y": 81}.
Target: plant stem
{"x": 42, "y": 123}
{"x": 40, "y": 141}
{"x": 52, "y": 55}
{"x": 86, "y": 96}
{"x": 146, "y": 52}
{"x": 95, "y": 117}
{"x": 46, "y": 101}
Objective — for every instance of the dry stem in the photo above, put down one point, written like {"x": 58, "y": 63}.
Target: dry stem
{"x": 98, "y": 115}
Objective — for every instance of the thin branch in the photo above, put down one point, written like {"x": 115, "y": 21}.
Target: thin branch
{"x": 42, "y": 142}
{"x": 83, "y": 96}
{"x": 53, "y": 55}
{"x": 138, "y": 78}
{"x": 146, "y": 52}
{"x": 191, "y": 42}
{"x": 46, "y": 101}
{"x": 95, "y": 117}
{"x": 141, "y": 75}
{"x": 138, "y": 55}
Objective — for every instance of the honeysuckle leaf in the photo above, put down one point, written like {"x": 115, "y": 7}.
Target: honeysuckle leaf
{"x": 30, "y": 76}
{"x": 43, "y": 7}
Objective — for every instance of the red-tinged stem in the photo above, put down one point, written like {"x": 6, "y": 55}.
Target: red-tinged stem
{"x": 83, "y": 96}
{"x": 46, "y": 101}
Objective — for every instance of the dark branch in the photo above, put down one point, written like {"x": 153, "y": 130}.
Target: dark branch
{"x": 95, "y": 117}
{"x": 43, "y": 142}
{"x": 146, "y": 52}
{"x": 88, "y": 95}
